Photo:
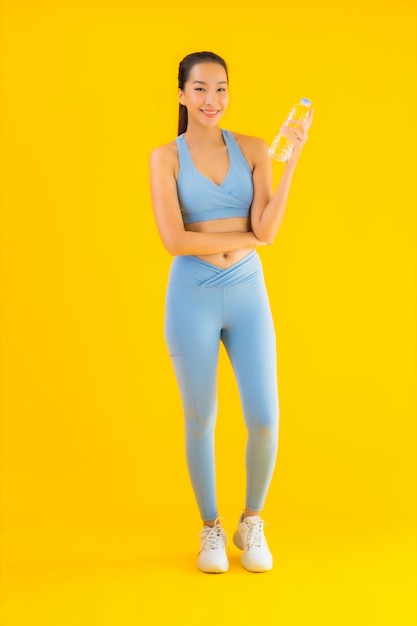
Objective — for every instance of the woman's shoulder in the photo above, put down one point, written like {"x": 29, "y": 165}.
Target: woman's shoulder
{"x": 166, "y": 153}
{"x": 254, "y": 148}
{"x": 166, "y": 148}
{"x": 249, "y": 140}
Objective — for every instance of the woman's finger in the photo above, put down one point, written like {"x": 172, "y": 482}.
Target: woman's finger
{"x": 292, "y": 133}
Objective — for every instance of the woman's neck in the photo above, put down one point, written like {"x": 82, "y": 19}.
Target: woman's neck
{"x": 199, "y": 134}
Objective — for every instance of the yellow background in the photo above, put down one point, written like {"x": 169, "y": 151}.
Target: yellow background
{"x": 99, "y": 524}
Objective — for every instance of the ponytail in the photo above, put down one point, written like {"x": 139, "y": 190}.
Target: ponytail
{"x": 182, "y": 119}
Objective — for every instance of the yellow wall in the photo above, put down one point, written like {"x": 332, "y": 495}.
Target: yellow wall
{"x": 92, "y": 432}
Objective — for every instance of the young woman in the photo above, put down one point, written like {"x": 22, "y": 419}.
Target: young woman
{"x": 213, "y": 206}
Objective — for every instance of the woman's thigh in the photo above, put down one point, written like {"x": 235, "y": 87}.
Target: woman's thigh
{"x": 249, "y": 338}
{"x": 193, "y": 319}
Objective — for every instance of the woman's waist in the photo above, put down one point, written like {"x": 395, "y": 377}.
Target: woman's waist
{"x": 196, "y": 271}
{"x": 224, "y": 260}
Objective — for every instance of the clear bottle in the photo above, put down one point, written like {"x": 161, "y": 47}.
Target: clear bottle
{"x": 282, "y": 147}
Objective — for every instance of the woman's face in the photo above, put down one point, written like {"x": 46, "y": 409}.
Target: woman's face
{"x": 205, "y": 94}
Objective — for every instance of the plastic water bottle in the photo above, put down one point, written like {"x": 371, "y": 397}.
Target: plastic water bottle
{"x": 282, "y": 147}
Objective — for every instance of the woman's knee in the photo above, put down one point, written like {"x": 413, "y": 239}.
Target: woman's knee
{"x": 200, "y": 423}
{"x": 263, "y": 424}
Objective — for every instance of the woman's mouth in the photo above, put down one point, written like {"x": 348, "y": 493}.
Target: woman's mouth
{"x": 209, "y": 112}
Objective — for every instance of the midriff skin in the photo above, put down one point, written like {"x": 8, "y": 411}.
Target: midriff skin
{"x": 227, "y": 225}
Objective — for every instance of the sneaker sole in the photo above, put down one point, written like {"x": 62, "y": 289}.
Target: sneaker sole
{"x": 213, "y": 569}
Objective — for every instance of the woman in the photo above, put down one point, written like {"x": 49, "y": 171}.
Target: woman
{"x": 213, "y": 206}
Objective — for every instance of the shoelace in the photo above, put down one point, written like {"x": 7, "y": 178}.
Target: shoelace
{"x": 254, "y": 536}
{"x": 213, "y": 538}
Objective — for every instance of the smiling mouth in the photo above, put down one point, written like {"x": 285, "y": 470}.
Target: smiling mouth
{"x": 209, "y": 113}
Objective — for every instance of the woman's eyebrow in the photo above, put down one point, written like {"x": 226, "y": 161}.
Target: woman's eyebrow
{"x": 201, "y": 82}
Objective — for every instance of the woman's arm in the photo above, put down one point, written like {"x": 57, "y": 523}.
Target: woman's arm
{"x": 267, "y": 212}
{"x": 165, "y": 205}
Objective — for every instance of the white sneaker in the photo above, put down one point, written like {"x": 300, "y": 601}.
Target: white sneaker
{"x": 250, "y": 538}
{"x": 212, "y": 557}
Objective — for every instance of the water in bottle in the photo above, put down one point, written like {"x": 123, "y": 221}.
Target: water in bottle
{"x": 282, "y": 147}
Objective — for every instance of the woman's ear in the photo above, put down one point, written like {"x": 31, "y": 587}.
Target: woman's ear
{"x": 180, "y": 96}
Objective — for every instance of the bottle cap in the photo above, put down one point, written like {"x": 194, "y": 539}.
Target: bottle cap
{"x": 305, "y": 101}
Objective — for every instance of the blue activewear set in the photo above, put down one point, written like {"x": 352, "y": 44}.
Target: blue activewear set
{"x": 206, "y": 304}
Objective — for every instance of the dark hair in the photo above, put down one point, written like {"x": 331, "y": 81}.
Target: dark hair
{"x": 184, "y": 70}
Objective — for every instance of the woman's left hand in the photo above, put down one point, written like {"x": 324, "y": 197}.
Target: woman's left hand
{"x": 297, "y": 132}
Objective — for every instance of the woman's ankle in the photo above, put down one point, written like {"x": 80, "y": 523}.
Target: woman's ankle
{"x": 211, "y": 523}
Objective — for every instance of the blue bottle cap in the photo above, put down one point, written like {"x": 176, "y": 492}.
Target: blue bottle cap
{"x": 305, "y": 101}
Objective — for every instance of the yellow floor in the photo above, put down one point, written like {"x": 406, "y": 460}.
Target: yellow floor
{"x": 116, "y": 578}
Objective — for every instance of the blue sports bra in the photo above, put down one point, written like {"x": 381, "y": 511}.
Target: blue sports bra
{"x": 201, "y": 199}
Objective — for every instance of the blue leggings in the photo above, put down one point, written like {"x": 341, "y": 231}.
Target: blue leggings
{"x": 205, "y": 305}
